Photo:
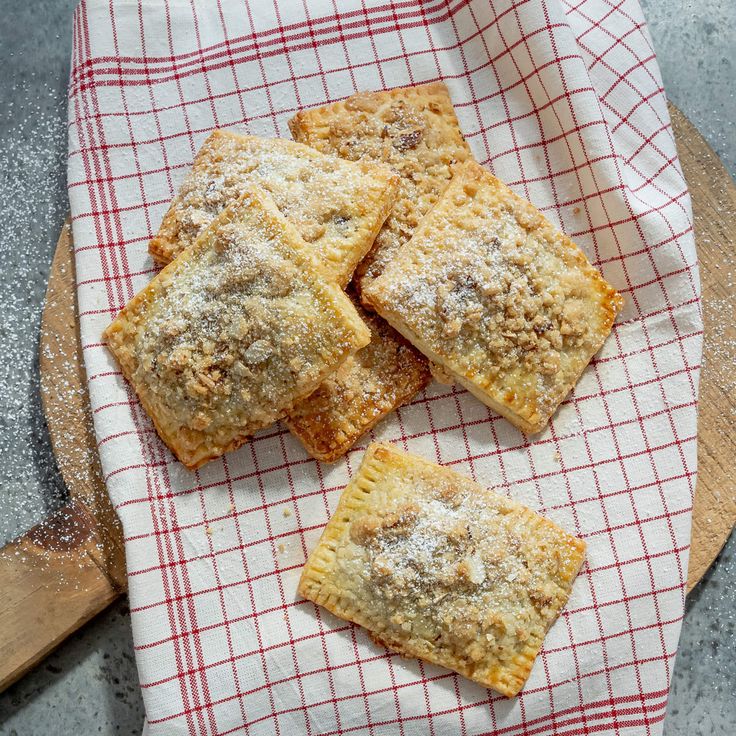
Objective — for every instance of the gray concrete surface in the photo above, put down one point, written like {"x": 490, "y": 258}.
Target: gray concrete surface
{"x": 89, "y": 685}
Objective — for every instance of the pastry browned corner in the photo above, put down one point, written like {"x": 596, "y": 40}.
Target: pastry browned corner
{"x": 503, "y": 301}
{"x": 336, "y": 206}
{"x": 437, "y": 567}
{"x": 233, "y": 332}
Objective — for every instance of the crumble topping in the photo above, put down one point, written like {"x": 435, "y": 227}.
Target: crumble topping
{"x": 495, "y": 288}
{"x": 237, "y": 334}
{"x": 414, "y": 131}
{"x": 463, "y": 571}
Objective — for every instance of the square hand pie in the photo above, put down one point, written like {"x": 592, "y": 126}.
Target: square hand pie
{"x": 338, "y": 207}
{"x": 437, "y": 567}
{"x": 233, "y": 332}
{"x": 414, "y": 130}
{"x": 379, "y": 378}
{"x": 502, "y": 300}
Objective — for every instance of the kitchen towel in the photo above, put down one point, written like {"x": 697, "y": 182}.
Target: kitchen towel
{"x": 561, "y": 99}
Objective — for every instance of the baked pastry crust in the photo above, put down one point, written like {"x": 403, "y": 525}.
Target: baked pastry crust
{"x": 233, "y": 332}
{"x": 507, "y": 304}
{"x": 435, "y": 566}
{"x": 414, "y": 130}
{"x": 338, "y": 207}
{"x": 379, "y": 378}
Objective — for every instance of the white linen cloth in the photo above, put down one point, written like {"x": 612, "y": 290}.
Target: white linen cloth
{"x": 562, "y": 100}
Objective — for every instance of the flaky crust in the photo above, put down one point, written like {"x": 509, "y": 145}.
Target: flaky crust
{"x": 233, "y": 332}
{"x": 435, "y": 566}
{"x": 337, "y": 207}
{"x": 414, "y": 130}
{"x": 375, "y": 381}
{"x": 490, "y": 290}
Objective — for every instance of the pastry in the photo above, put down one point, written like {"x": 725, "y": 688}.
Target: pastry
{"x": 233, "y": 332}
{"x": 491, "y": 291}
{"x": 379, "y": 378}
{"x": 435, "y": 566}
{"x": 414, "y": 130}
{"x": 338, "y": 207}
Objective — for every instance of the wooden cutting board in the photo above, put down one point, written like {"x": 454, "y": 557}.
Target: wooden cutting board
{"x": 67, "y": 569}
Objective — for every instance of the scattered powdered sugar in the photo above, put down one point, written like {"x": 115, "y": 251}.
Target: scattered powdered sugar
{"x": 417, "y": 551}
{"x": 719, "y": 344}
{"x": 32, "y": 206}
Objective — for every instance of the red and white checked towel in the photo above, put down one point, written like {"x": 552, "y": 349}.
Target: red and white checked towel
{"x": 561, "y": 99}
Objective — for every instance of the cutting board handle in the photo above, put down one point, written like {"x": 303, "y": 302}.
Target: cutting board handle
{"x": 52, "y": 581}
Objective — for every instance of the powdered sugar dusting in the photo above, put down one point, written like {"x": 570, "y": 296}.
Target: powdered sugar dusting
{"x": 493, "y": 293}
{"x": 333, "y": 204}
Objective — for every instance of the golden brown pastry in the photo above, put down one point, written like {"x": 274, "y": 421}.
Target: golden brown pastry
{"x": 232, "y": 333}
{"x": 379, "y": 378}
{"x": 435, "y": 566}
{"x": 504, "y": 302}
{"x": 414, "y": 130}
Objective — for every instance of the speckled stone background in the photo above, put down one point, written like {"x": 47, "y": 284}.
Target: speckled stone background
{"x": 88, "y": 686}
